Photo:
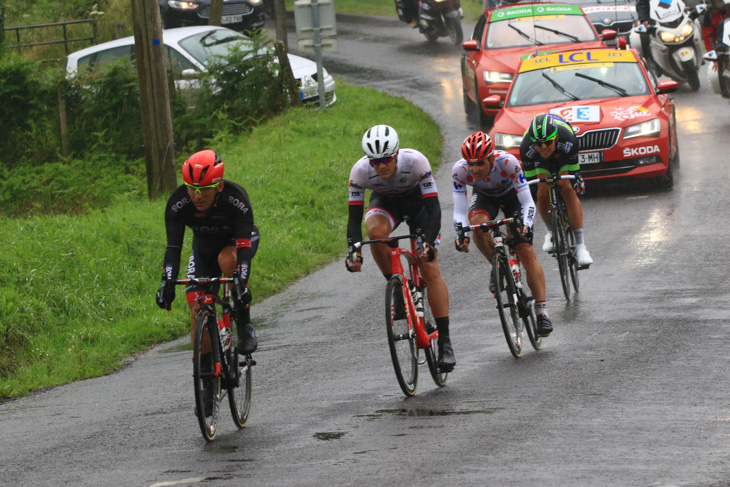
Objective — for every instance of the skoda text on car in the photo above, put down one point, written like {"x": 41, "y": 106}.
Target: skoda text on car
{"x": 188, "y": 50}
{"x": 505, "y": 35}
{"x": 240, "y": 15}
{"x": 623, "y": 118}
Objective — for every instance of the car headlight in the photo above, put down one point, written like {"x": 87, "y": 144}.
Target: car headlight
{"x": 507, "y": 141}
{"x": 182, "y": 5}
{"x": 497, "y": 77}
{"x": 255, "y": 2}
{"x": 650, "y": 128}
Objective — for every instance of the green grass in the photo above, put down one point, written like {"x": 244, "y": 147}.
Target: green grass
{"x": 77, "y": 291}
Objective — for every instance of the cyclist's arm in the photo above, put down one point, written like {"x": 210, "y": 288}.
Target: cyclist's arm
{"x": 461, "y": 203}
{"x": 243, "y": 226}
{"x": 175, "y": 230}
{"x": 431, "y": 220}
{"x": 356, "y": 204}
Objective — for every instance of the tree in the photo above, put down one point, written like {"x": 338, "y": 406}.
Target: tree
{"x": 2, "y": 26}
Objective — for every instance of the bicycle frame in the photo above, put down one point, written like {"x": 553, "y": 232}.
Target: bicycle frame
{"x": 209, "y": 300}
{"x": 397, "y": 255}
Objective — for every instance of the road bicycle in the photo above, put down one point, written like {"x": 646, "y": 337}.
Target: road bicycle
{"x": 409, "y": 329}
{"x": 226, "y": 372}
{"x": 563, "y": 235}
{"x": 516, "y": 308}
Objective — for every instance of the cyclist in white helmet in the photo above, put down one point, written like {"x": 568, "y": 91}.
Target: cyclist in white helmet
{"x": 403, "y": 189}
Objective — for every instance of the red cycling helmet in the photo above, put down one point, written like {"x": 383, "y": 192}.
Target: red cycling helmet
{"x": 203, "y": 168}
{"x": 477, "y": 147}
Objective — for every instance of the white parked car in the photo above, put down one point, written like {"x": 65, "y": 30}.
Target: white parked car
{"x": 189, "y": 50}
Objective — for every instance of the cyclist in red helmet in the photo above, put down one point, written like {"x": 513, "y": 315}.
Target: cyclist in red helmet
{"x": 498, "y": 182}
{"x": 225, "y": 238}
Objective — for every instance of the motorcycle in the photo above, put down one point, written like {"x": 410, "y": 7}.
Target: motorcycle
{"x": 719, "y": 79}
{"x": 676, "y": 40}
{"x": 434, "y": 18}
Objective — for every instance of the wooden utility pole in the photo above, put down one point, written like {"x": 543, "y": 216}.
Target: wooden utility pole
{"x": 216, "y": 12}
{"x": 280, "y": 22}
{"x": 154, "y": 98}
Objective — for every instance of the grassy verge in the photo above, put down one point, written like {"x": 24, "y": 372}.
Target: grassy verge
{"x": 77, "y": 292}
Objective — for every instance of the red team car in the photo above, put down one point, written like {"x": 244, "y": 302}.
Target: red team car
{"x": 503, "y": 36}
{"x": 622, "y": 116}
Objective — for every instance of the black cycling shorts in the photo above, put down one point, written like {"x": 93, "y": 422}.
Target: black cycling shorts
{"x": 490, "y": 206}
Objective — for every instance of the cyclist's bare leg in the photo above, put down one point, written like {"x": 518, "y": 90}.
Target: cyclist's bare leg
{"x": 543, "y": 200}
{"x": 533, "y": 269}
{"x": 438, "y": 294}
{"x": 575, "y": 209}
{"x": 483, "y": 240}
{"x": 378, "y": 226}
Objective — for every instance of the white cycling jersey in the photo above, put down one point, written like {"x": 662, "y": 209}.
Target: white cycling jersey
{"x": 506, "y": 175}
{"x": 413, "y": 169}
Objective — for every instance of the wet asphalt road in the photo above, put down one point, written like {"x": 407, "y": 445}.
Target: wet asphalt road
{"x": 630, "y": 390}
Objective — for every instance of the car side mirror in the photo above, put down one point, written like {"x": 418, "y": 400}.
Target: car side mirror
{"x": 667, "y": 86}
{"x": 608, "y": 34}
{"x": 470, "y": 45}
{"x": 190, "y": 74}
{"x": 494, "y": 101}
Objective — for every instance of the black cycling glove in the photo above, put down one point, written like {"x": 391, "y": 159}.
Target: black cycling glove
{"x": 166, "y": 294}
{"x": 242, "y": 292}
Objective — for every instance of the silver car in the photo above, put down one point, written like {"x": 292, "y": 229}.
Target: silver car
{"x": 188, "y": 52}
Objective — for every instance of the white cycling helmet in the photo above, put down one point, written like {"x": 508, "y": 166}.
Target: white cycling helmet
{"x": 380, "y": 141}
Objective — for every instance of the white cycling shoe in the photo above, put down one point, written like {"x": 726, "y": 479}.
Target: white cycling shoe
{"x": 582, "y": 256}
{"x": 547, "y": 246}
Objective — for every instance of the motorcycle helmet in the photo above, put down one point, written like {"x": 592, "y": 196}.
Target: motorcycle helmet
{"x": 542, "y": 128}
{"x": 203, "y": 168}
{"x": 380, "y": 141}
{"x": 477, "y": 147}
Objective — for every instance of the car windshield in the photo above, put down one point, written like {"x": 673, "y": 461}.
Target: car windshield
{"x": 530, "y": 31}
{"x": 206, "y": 45}
{"x": 578, "y": 82}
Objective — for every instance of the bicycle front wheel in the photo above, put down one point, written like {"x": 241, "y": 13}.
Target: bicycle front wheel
{"x": 432, "y": 351}
{"x": 507, "y": 305}
{"x": 530, "y": 322}
{"x": 562, "y": 251}
{"x": 401, "y": 339}
{"x": 572, "y": 261}
{"x": 241, "y": 382}
{"x": 206, "y": 379}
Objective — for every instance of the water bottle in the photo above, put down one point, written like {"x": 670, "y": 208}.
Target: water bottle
{"x": 515, "y": 267}
{"x": 417, "y": 299}
{"x": 225, "y": 333}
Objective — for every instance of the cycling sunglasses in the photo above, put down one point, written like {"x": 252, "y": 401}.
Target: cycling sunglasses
{"x": 199, "y": 189}
{"x": 381, "y": 160}
{"x": 544, "y": 143}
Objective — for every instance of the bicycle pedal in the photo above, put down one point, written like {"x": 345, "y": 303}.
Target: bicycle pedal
{"x": 584, "y": 267}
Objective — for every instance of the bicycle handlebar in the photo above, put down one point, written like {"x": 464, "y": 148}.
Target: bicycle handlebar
{"x": 551, "y": 179}
{"x": 353, "y": 247}
{"x": 485, "y": 226}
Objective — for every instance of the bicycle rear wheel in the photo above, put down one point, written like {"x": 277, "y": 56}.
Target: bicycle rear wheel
{"x": 432, "y": 351}
{"x": 207, "y": 382}
{"x": 241, "y": 382}
{"x": 401, "y": 339}
{"x": 507, "y": 305}
{"x": 560, "y": 241}
{"x": 572, "y": 261}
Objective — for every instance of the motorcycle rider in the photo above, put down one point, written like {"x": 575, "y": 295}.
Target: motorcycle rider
{"x": 644, "y": 12}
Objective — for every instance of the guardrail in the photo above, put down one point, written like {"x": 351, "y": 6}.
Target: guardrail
{"x": 65, "y": 41}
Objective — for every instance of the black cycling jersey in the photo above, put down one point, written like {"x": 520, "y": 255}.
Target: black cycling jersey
{"x": 228, "y": 222}
{"x": 565, "y": 157}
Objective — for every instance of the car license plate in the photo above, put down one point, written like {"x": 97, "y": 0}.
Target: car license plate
{"x": 590, "y": 157}
{"x": 231, "y": 19}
